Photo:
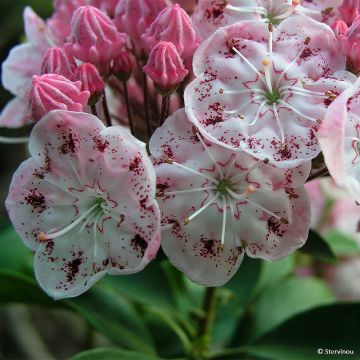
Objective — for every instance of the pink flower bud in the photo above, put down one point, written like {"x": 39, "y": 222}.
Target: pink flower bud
{"x": 187, "y": 5}
{"x": 165, "y": 67}
{"x": 173, "y": 24}
{"x": 339, "y": 27}
{"x": 350, "y": 44}
{"x": 53, "y": 91}
{"x": 123, "y": 66}
{"x": 135, "y": 16}
{"x": 58, "y": 61}
{"x": 94, "y": 38}
{"x": 108, "y": 7}
{"x": 91, "y": 81}
{"x": 349, "y": 10}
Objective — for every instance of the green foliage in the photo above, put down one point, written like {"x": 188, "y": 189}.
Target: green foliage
{"x": 112, "y": 354}
{"x": 341, "y": 244}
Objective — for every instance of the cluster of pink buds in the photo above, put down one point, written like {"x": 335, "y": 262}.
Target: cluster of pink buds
{"x": 191, "y": 123}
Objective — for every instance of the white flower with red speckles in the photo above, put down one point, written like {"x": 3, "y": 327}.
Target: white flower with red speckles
{"x": 84, "y": 202}
{"x": 266, "y": 90}
{"x": 217, "y": 204}
{"x": 339, "y": 138}
{"x": 209, "y": 15}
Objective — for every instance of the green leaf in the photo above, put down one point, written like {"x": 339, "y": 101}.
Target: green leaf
{"x": 113, "y": 354}
{"x": 114, "y": 316}
{"x": 19, "y": 288}
{"x": 286, "y": 299}
{"x": 318, "y": 248}
{"x": 333, "y": 327}
{"x": 14, "y": 255}
{"x": 342, "y": 244}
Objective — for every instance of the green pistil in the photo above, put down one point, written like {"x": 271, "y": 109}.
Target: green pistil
{"x": 223, "y": 186}
{"x": 272, "y": 20}
{"x": 273, "y": 97}
{"x": 99, "y": 202}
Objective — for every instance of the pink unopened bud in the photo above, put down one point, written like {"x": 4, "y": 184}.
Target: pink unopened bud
{"x": 339, "y": 27}
{"x": 165, "y": 67}
{"x": 91, "y": 81}
{"x": 58, "y": 61}
{"x": 349, "y": 10}
{"x": 187, "y": 5}
{"x": 135, "y": 16}
{"x": 173, "y": 24}
{"x": 123, "y": 66}
{"x": 94, "y": 38}
{"x": 108, "y": 6}
{"x": 350, "y": 44}
{"x": 53, "y": 91}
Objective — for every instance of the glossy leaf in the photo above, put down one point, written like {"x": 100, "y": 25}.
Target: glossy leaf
{"x": 341, "y": 244}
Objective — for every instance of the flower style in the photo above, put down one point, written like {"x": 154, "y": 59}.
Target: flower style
{"x": 266, "y": 90}
{"x": 339, "y": 138}
{"x": 23, "y": 62}
{"x": 84, "y": 202}
{"x": 209, "y": 15}
{"x": 217, "y": 204}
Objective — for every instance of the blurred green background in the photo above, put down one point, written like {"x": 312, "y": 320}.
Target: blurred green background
{"x": 267, "y": 311}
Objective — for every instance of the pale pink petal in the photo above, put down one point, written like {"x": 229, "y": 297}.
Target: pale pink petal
{"x": 16, "y": 113}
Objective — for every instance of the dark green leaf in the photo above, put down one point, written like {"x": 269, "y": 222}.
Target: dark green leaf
{"x": 318, "y": 248}
{"x": 286, "y": 299}
{"x": 341, "y": 244}
{"x": 113, "y": 354}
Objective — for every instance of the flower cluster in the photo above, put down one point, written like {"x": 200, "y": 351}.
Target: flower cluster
{"x": 193, "y": 125}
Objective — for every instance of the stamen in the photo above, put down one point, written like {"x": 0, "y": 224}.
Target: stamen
{"x": 198, "y": 212}
{"x": 298, "y": 112}
{"x": 266, "y": 65}
{"x": 247, "y": 91}
{"x": 223, "y": 222}
{"x": 249, "y": 170}
{"x": 237, "y": 110}
{"x": 233, "y": 219}
{"x": 276, "y": 113}
{"x": 170, "y": 161}
{"x": 287, "y": 13}
{"x": 301, "y": 89}
{"x": 179, "y": 192}
{"x": 306, "y": 43}
{"x": 249, "y": 64}
{"x": 95, "y": 235}
{"x": 43, "y": 236}
{"x": 210, "y": 155}
{"x": 258, "y": 113}
{"x": 19, "y": 140}
{"x": 251, "y": 9}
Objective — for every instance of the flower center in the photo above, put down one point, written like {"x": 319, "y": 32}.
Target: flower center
{"x": 223, "y": 186}
{"x": 273, "y": 97}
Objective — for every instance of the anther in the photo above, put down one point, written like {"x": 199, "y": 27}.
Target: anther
{"x": 266, "y": 161}
{"x": 221, "y": 91}
{"x": 42, "y": 237}
{"x": 307, "y": 40}
{"x": 284, "y": 221}
{"x": 319, "y": 121}
{"x": 160, "y": 194}
{"x": 186, "y": 221}
{"x": 194, "y": 130}
{"x": 283, "y": 147}
{"x": 241, "y": 116}
{"x": 270, "y": 27}
{"x": 168, "y": 161}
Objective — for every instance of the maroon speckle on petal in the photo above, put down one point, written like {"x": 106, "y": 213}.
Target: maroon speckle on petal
{"x": 73, "y": 269}
{"x": 100, "y": 145}
{"x": 139, "y": 244}
{"x": 70, "y": 144}
{"x": 36, "y": 200}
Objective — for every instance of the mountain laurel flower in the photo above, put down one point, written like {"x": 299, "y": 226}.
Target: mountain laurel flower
{"x": 340, "y": 28}
{"x": 84, "y": 202}
{"x": 57, "y": 61}
{"x": 174, "y": 25}
{"x": 350, "y": 44}
{"x": 52, "y": 91}
{"x": 135, "y": 16}
{"x": 94, "y": 38}
{"x": 339, "y": 138}
{"x": 349, "y": 10}
{"x": 123, "y": 66}
{"x": 209, "y": 15}
{"x": 217, "y": 204}
{"x": 165, "y": 67}
{"x": 91, "y": 81}
{"x": 266, "y": 90}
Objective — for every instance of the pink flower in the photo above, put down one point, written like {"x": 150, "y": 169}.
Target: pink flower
{"x": 84, "y": 202}
{"x": 52, "y": 91}
{"x": 350, "y": 44}
{"x": 173, "y": 25}
{"x": 267, "y": 91}
{"x": 340, "y": 28}
{"x": 349, "y": 10}
{"x": 209, "y": 15}
{"x": 21, "y": 64}
{"x": 217, "y": 204}
{"x": 91, "y": 81}
{"x": 135, "y": 16}
{"x": 165, "y": 67}
{"x": 339, "y": 138}
{"x": 94, "y": 38}
{"x": 58, "y": 61}
{"x": 123, "y": 66}
{"x": 187, "y": 5}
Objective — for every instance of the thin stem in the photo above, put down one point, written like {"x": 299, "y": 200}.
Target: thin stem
{"x": 318, "y": 173}
{"x": 93, "y": 110}
{"x": 106, "y": 110}
{"x": 146, "y": 104}
{"x": 128, "y": 108}
{"x": 18, "y": 140}
{"x": 165, "y": 106}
